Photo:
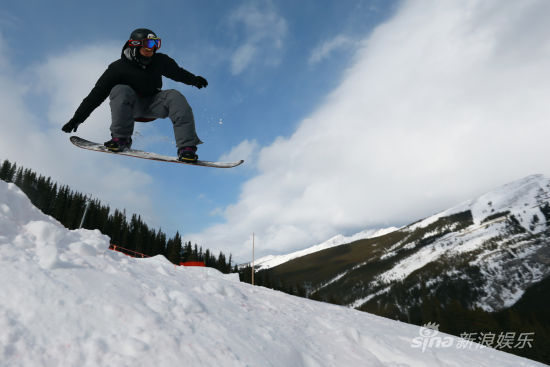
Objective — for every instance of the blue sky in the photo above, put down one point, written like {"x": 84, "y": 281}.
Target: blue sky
{"x": 350, "y": 115}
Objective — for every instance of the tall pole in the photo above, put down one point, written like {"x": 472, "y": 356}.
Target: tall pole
{"x": 88, "y": 202}
{"x": 252, "y": 258}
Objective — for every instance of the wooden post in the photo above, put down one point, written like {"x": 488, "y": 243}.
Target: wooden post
{"x": 252, "y": 258}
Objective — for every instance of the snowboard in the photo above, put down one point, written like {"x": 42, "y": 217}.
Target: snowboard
{"x": 85, "y": 144}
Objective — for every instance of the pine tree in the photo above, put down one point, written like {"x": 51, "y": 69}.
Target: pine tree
{"x": 160, "y": 243}
{"x": 61, "y": 203}
{"x": 187, "y": 252}
{"x": 227, "y": 269}
{"x": 5, "y": 171}
{"x": 75, "y": 210}
{"x": 28, "y": 184}
{"x": 220, "y": 263}
{"x": 135, "y": 240}
{"x": 117, "y": 228}
{"x": 195, "y": 254}
{"x": 174, "y": 249}
{"x": 18, "y": 180}
{"x": 11, "y": 174}
{"x": 52, "y": 205}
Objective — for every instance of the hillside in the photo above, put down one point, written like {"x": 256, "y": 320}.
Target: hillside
{"x": 478, "y": 258}
{"x": 497, "y": 243}
{"x": 69, "y": 301}
{"x": 270, "y": 261}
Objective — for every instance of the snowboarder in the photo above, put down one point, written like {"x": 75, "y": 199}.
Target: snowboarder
{"x": 133, "y": 84}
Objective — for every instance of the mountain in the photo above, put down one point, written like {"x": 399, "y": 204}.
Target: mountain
{"x": 271, "y": 261}
{"x": 496, "y": 244}
{"x": 67, "y": 300}
{"x": 478, "y": 258}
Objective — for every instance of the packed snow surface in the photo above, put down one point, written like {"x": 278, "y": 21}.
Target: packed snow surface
{"x": 66, "y": 300}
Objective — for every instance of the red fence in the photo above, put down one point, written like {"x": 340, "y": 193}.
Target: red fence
{"x": 126, "y": 251}
{"x": 133, "y": 253}
{"x": 192, "y": 263}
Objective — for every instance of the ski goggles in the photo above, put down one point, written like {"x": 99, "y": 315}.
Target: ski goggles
{"x": 147, "y": 43}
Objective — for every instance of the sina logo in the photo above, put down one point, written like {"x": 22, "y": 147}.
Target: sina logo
{"x": 151, "y": 35}
{"x": 428, "y": 338}
{"x": 429, "y": 330}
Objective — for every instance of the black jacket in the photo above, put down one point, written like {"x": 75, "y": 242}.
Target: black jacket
{"x": 145, "y": 81}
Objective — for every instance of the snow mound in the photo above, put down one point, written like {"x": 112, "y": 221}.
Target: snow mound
{"x": 69, "y": 301}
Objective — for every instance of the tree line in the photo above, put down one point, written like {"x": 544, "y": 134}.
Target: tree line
{"x": 68, "y": 206}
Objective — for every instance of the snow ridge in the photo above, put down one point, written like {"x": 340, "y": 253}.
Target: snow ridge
{"x": 271, "y": 261}
{"x": 523, "y": 197}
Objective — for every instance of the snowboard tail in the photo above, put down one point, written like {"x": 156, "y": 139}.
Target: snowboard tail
{"x": 85, "y": 144}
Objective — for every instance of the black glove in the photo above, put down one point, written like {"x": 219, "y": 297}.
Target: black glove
{"x": 199, "y": 82}
{"x": 71, "y": 126}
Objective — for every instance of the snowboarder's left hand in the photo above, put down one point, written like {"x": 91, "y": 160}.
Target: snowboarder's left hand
{"x": 70, "y": 126}
{"x": 200, "y": 82}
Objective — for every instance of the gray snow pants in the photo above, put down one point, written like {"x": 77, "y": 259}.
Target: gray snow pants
{"x": 126, "y": 106}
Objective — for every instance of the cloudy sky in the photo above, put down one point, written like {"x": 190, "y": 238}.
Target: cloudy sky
{"x": 350, "y": 114}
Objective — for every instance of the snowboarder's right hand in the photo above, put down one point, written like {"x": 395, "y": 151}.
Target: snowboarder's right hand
{"x": 71, "y": 126}
{"x": 200, "y": 82}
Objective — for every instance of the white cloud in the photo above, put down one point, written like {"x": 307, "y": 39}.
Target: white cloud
{"x": 330, "y": 46}
{"x": 261, "y": 32}
{"x": 246, "y": 150}
{"x": 242, "y": 57}
{"x": 443, "y": 101}
{"x": 36, "y": 141}
{"x": 67, "y": 78}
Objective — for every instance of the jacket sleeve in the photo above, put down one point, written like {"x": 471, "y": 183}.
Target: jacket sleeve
{"x": 173, "y": 71}
{"x": 98, "y": 94}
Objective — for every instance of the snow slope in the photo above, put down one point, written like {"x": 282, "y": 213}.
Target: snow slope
{"x": 66, "y": 300}
{"x": 271, "y": 261}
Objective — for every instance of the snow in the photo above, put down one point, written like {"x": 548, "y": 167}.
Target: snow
{"x": 450, "y": 245}
{"x": 361, "y": 301}
{"x": 271, "y": 261}
{"x": 522, "y": 197}
{"x": 69, "y": 301}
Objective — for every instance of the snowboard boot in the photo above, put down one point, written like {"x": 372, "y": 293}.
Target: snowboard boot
{"x": 188, "y": 154}
{"x": 118, "y": 144}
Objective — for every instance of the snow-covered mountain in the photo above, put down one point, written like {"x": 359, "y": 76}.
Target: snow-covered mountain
{"x": 66, "y": 300}
{"x": 506, "y": 238}
{"x": 494, "y": 247}
{"x": 271, "y": 261}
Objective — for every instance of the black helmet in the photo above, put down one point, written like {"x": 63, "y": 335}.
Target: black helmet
{"x": 142, "y": 33}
